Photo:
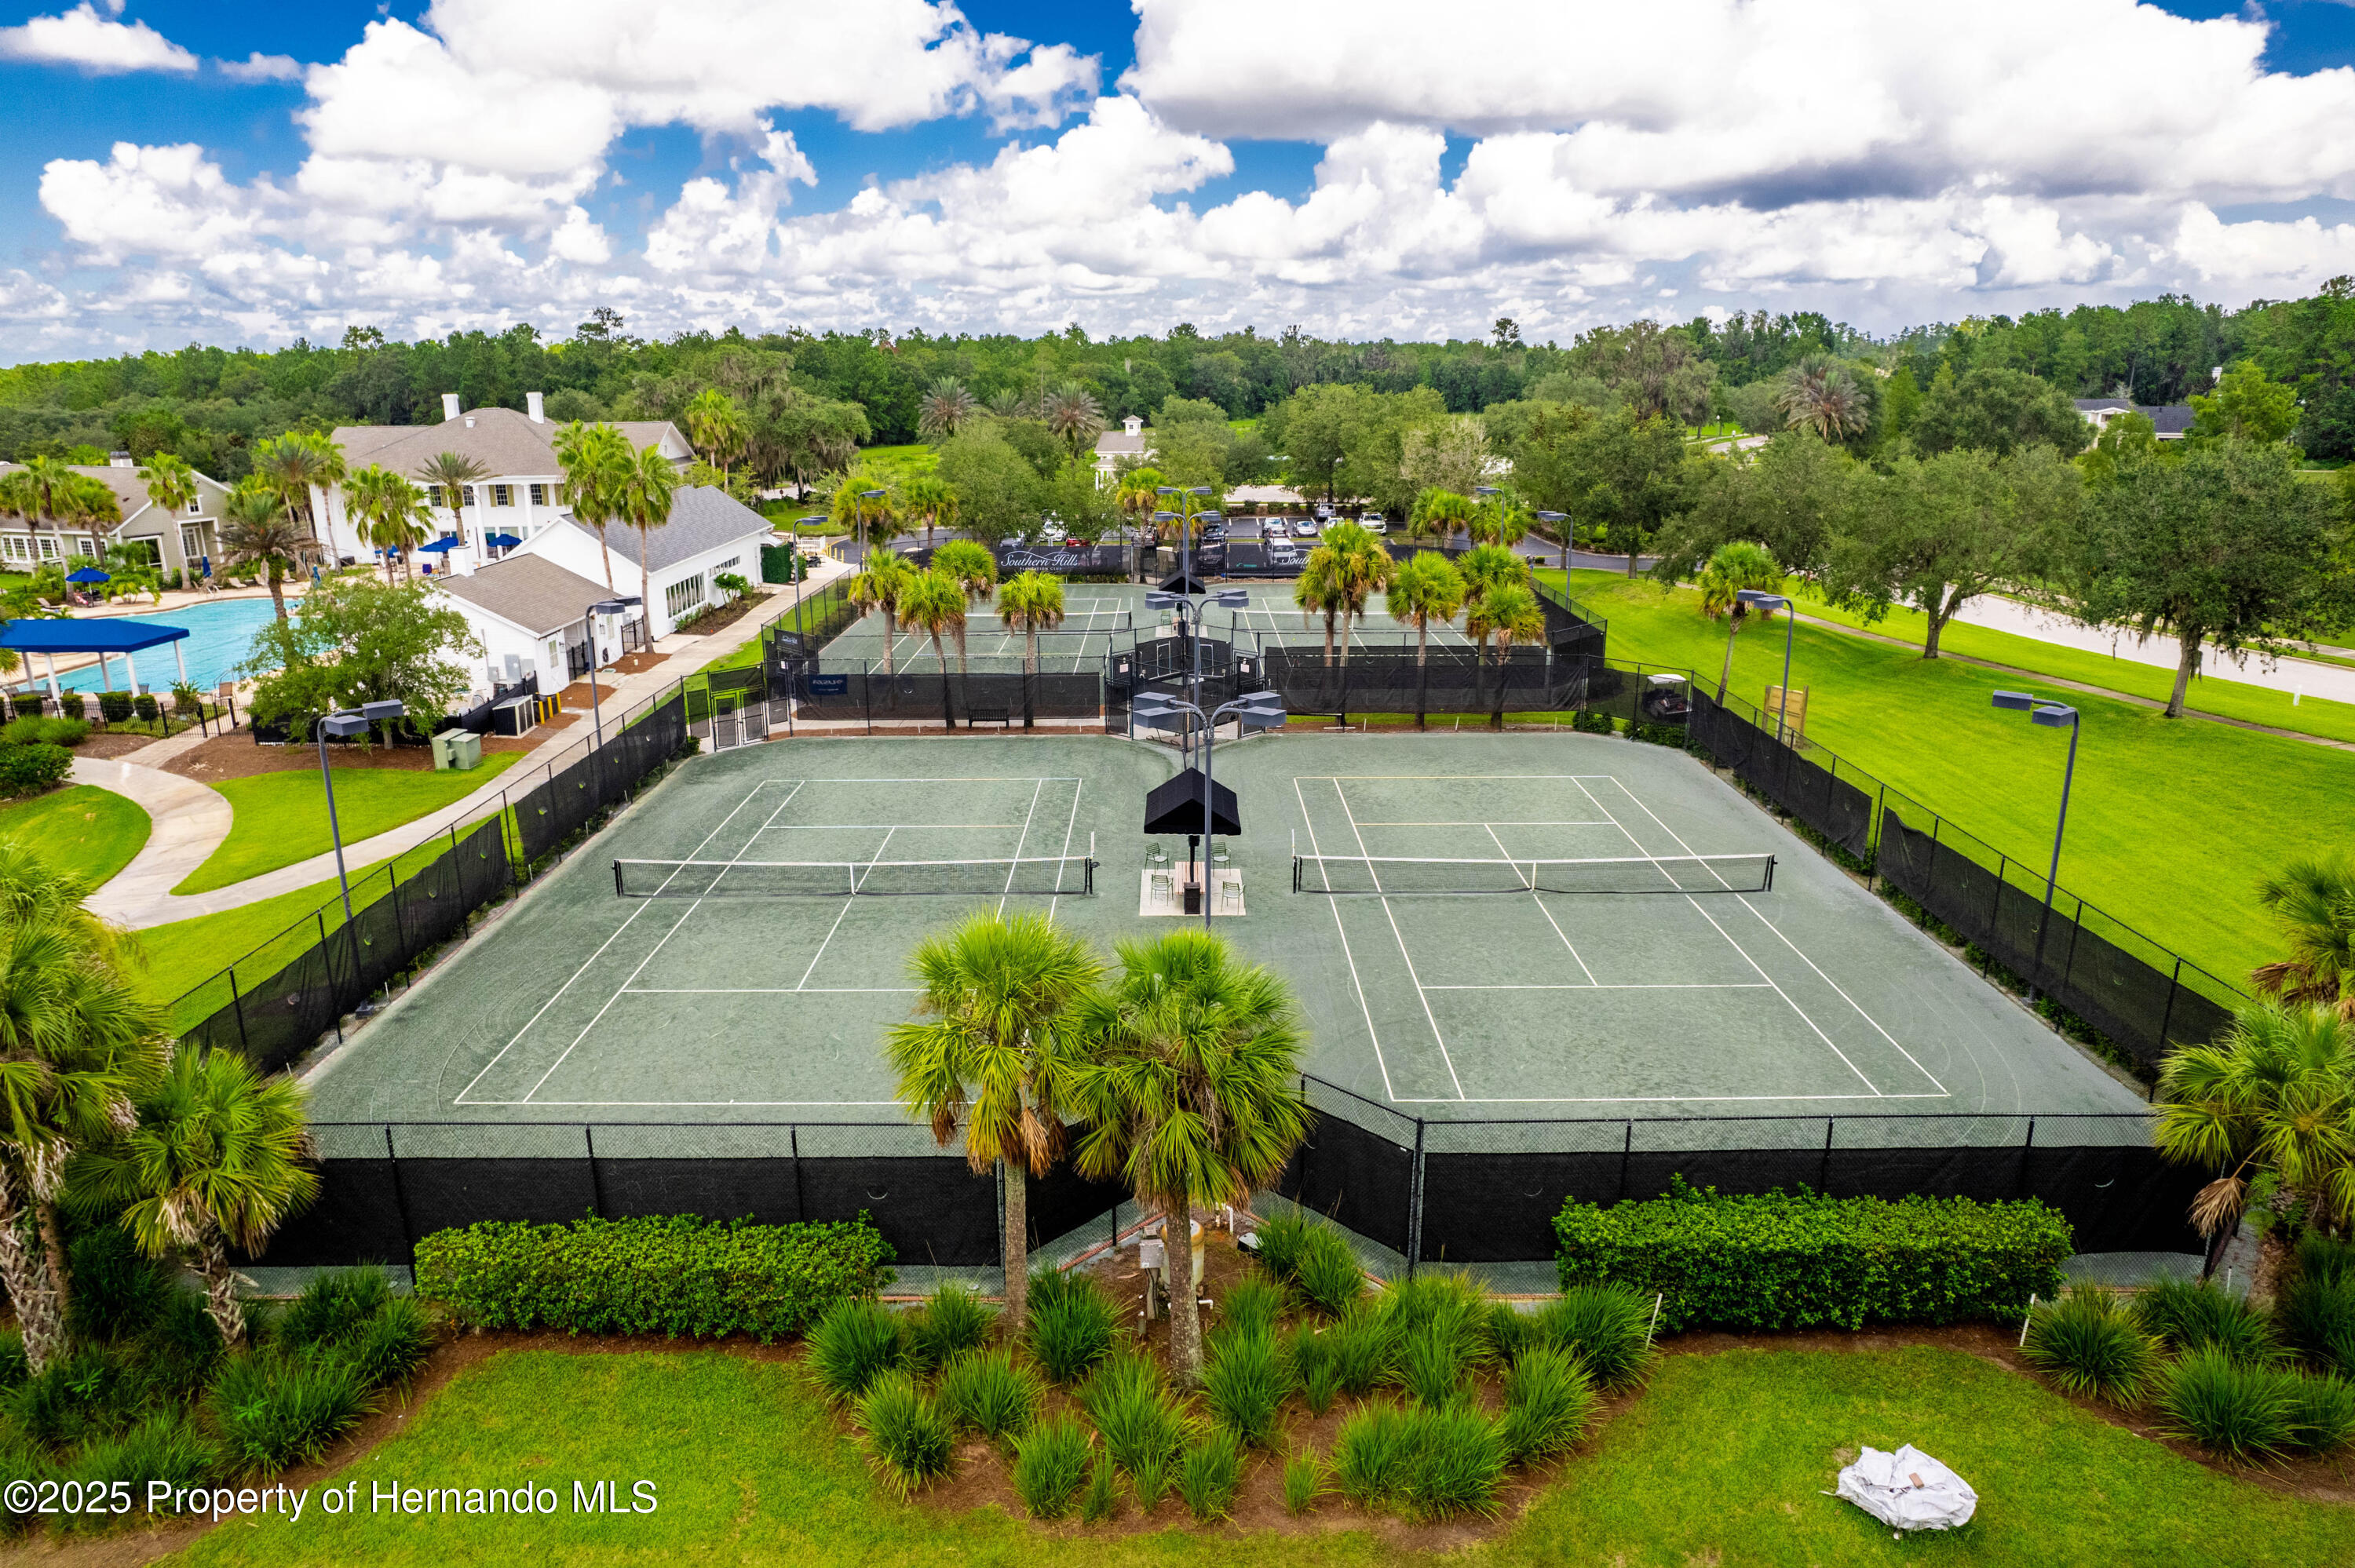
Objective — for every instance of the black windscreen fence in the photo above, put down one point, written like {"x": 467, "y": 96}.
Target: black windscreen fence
{"x": 1835, "y": 801}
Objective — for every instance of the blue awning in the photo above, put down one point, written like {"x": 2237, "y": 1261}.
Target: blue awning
{"x": 86, "y": 636}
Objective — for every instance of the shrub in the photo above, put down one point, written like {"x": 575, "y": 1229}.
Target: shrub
{"x": 1282, "y": 1242}
{"x": 62, "y": 732}
{"x": 29, "y": 769}
{"x": 117, "y": 1290}
{"x": 2321, "y": 1413}
{"x": 181, "y": 1347}
{"x": 145, "y": 706}
{"x": 15, "y": 1367}
{"x": 27, "y": 705}
{"x": 1102, "y": 1498}
{"x": 952, "y": 1322}
{"x": 1330, "y": 1277}
{"x": 71, "y": 705}
{"x": 1606, "y": 1327}
{"x": 1246, "y": 1382}
{"x": 275, "y": 1411}
{"x": 1365, "y": 1350}
{"x": 1252, "y": 1306}
{"x": 1372, "y": 1452}
{"x": 390, "y": 1347}
{"x": 1306, "y": 1478}
{"x": 115, "y": 707}
{"x": 1142, "y": 1426}
{"x": 1049, "y": 1465}
{"x": 1317, "y": 1369}
{"x": 1071, "y": 1329}
{"x": 673, "y": 1275}
{"x": 984, "y": 1392}
{"x": 2185, "y": 1315}
{"x": 166, "y": 1446}
{"x": 1456, "y": 1305}
{"x": 1778, "y": 1260}
{"x": 88, "y": 1391}
{"x": 1550, "y": 1401}
{"x": 1510, "y": 1330}
{"x": 1457, "y": 1465}
{"x": 21, "y": 731}
{"x": 1149, "y": 1479}
{"x": 1591, "y": 721}
{"x": 906, "y": 1435}
{"x": 186, "y": 700}
{"x": 333, "y": 1306}
{"x": 1207, "y": 1474}
{"x": 2316, "y": 1315}
{"x": 2240, "y": 1412}
{"x": 2089, "y": 1344}
{"x": 855, "y": 1343}
{"x": 2319, "y": 1258}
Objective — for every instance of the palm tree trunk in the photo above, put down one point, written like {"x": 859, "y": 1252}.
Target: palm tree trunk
{"x": 948, "y": 714}
{"x": 212, "y": 1267}
{"x": 1015, "y": 1256}
{"x": 24, "y": 1272}
{"x": 1423, "y": 672}
{"x": 277, "y": 593}
{"x": 605, "y": 551}
{"x": 1030, "y": 670}
{"x": 890, "y": 639}
{"x": 1177, "y": 1281}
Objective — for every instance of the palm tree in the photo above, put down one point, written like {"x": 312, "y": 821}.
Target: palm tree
{"x": 1733, "y": 569}
{"x": 1820, "y": 394}
{"x": 1138, "y": 494}
{"x": 1499, "y": 519}
{"x": 876, "y": 587}
{"x": 933, "y": 604}
{"x": 1012, "y": 403}
{"x": 1032, "y": 601}
{"x": 388, "y": 512}
{"x": 2314, "y": 900}
{"x": 1074, "y": 416}
{"x": 989, "y": 1052}
{"x": 1508, "y": 613}
{"x": 596, "y": 461}
{"x": 1425, "y": 589}
{"x": 644, "y": 498}
{"x": 716, "y": 425}
{"x": 931, "y": 498}
{"x": 1360, "y": 565}
{"x": 94, "y": 506}
{"x": 295, "y": 463}
{"x": 1437, "y": 513}
{"x": 171, "y": 483}
{"x": 1189, "y": 1091}
{"x": 946, "y": 409}
{"x": 453, "y": 475}
{"x": 1318, "y": 590}
{"x": 219, "y": 1158}
{"x": 76, "y": 1038}
{"x": 974, "y": 571}
{"x": 2273, "y": 1097}
{"x": 874, "y": 517}
{"x": 256, "y": 530}
{"x": 1488, "y": 566}
{"x": 36, "y": 491}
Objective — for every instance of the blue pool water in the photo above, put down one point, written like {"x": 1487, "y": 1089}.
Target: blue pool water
{"x": 219, "y": 632}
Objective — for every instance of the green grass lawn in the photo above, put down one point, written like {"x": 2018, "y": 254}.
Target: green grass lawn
{"x": 2173, "y": 821}
{"x": 2206, "y": 695}
{"x": 281, "y": 818}
{"x": 95, "y": 831}
{"x": 1721, "y": 1460}
{"x": 901, "y": 463}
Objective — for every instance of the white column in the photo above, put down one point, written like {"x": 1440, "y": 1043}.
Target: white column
{"x": 56, "y": 695}
{"x": 105, "y": 681}
{"x": 180, "y": 657}
{"x": 131, "y": 666}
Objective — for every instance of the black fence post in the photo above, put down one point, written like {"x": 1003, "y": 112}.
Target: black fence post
{"x": 1414, "y": 1197}
{"x": 596, "y": 1187}
{"x": 793, "y": 1152}
{"x": 237, "y": 1006}
{"x": 2174, "y": 984}
{"x": 400, "y": 1203}
{"x": 1872, "y": 840}
{"x": 1626, "y": 1153}
{"x": 1824, "y": 1172}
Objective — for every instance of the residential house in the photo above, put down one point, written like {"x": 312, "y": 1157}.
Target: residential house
{"x": 174, "y": 540}
{"x": 710, "y": 533}
{"x": 516, "y": 495}
{"x": 2173, "y": 421}
{"x": 1129, "y": 441}
{"x": 533, "y": 618}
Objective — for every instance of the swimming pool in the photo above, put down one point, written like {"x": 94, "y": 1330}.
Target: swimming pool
{"x": 219, "y": 632}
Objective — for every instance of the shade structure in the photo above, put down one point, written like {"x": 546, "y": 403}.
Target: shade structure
{"x": 1180, "y": 583}
{"x": 440, "y": 547}
{"x": 86, "y": 636}
{"x": 89, "y": 574}
{"x": 502, "y": 541}
{"x": 1175, "y": 806}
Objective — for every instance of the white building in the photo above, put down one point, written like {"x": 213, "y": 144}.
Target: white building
{"x": 532, "y": 617}
{"x": 174, "y": 539}
{"x": 516, "y": 495}
{"x": 710, "y": 533}
{"x": 1128, "y": 442}
{"x": 2170, "y": 421}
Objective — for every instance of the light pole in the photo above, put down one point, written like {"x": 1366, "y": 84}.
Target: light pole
{"x": 858, "y": 518}
{"x": 1190, "y": 617}
{"x": 800, "y": 577}
{"x": 602, "y": 606}
{"x": 1258, "y": 710}
{"x": 342, "y": 723}
{"x": 1758, "y": 599}
{"x": 2053, "y": 715}
{"x": 1561, "y": 517}
{"x": 1490, "y": 489}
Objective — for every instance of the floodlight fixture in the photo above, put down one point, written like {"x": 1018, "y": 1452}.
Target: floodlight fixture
{"x": 1758, "y": 598}
{"x": 2016, "y": 702}
{"x": 2053, "y": 715}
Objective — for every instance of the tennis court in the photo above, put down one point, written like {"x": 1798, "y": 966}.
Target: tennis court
{"x": 744, "y": 962}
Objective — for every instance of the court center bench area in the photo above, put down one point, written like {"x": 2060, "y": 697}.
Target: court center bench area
{"x": 1550, "y": 945}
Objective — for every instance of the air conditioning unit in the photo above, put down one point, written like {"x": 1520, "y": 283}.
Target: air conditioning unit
{"x": 514, "y": 666}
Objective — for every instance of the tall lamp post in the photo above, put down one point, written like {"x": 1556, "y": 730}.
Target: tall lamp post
{"x": 344, "y": 723}
{"x": 2053, "y": 715}
{"x": 801, "y": 576}
{"x": 1490, "y": 491}
{"x": 1758, "y": 599}
{"x": 858, "y": 518}
{"x": 1190, "y": 616}
{"x": 1255, "y": 711}
{"x": 1561, "y": 517}
{"x": 602, "y": 606}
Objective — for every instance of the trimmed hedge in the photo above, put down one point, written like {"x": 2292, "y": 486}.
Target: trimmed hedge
{"x": 676, "y": 1274}
{"x": 1777, "y": 1260}
{"x": 29, "y": 769}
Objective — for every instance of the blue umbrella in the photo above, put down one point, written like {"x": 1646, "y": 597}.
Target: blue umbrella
{"x": 442, "y": 546}
{"x": 503, "y": 541}
{"x": 89, "y": 574}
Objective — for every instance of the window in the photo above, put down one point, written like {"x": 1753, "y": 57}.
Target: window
{"x": 82, "y": 546}
{"x": 434, "y": 496}
{"x": 192, "y": 541}
{"x": 540, "y": 495}
{"x": 465, "y": 495}
{"x": 682, "y": 596}
{"x": 49, "y": 547}
{"x": 729, "y": 564}
{"x": 503, "y": 495}
{"x": 196, "y": 507}
{"x": 17, "y": 546}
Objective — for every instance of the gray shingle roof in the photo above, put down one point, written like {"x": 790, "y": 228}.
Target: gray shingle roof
{"x": 530, "y": 592}
{"x": 701, "y": 518}
{"x": 131, "y": 491}
{"x": 504, "y": 440}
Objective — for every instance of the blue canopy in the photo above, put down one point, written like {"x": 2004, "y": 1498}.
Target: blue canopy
{"x": 503, "y": 541}
{"x": 89, "y": 574}
{"x": 440, "y": 545}
{"x": 97, "y": 636}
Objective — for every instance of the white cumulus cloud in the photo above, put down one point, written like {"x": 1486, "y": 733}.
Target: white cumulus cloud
{"x": 83, "y": 37}
{"x": 259, "y": 66}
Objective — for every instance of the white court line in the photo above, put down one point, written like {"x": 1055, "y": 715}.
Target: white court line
{"x": 1029, "y": 817}
{"x": 658, "y": 948}
{"x": 1802, "y": 952}
{"x": 805, "y": 827}
{"x": 460, "y": 1097}
{"x": 1490, "y": 826}
{"x": 1541, "y": 904}
{"x": 1663, "y": 1099}
{"x": 1372, "y": 1034}
{"x": 838, "y": 914}
{"x": 1405, "y": 957}
{"x": 1722, "y": 931}
{"x": 1659, "y": 985}
{"x": 1069, "y": 829}
{"x": 768, "y": 990}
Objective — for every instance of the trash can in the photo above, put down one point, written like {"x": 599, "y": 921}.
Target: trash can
{"x": 457, "y": 750}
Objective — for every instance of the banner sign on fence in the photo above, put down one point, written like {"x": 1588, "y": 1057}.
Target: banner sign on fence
{"x": 829, "y": 685}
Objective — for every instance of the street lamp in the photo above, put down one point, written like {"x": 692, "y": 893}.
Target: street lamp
{"x": 1254, "y": 711}
{"x": 342, "y": 723}
{"x": 800, "y": 573}
{"x": 1758, "y": 599}
{"x": 602, "y": 606}
{"x": 1561, "y": 517}
{"x": 859, "y": 517}
{"x": 2053, "y": 715}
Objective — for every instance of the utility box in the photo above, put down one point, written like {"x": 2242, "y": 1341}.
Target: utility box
{"x": 457, "y": 751}
{"x": 515, "y": 716}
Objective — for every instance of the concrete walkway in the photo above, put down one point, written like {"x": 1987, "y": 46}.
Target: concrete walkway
{"x": 192, "y": 819}
{"x": 2297, "y": 676}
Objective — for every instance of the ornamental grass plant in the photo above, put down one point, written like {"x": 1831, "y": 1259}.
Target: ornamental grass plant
{"x": 1050, "y": 1463}
{"x": 855, "y": 1343}
{"x": 1245, "y": 1383}
{"x": 907, "y": 1438}
{"x": 2089, "y": 1344}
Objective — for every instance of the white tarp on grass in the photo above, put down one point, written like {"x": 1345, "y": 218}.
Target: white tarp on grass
{"x": 1908, "y": 1489}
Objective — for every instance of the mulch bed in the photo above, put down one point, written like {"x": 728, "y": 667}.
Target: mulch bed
{"x": 108, "y": 745}
{"x": 237, "y": 755}
{"x": 719, "y": 619}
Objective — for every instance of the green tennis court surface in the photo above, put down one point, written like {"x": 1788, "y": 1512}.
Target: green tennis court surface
{"x": 756, "y": 990}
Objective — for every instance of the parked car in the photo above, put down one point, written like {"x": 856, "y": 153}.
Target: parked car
{"x": 1372, "y": 522}
{"x": 1305, "y": 528}
{"x": 1015, "y": 541}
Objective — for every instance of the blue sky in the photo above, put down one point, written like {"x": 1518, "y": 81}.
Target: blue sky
{"x": 1363, "y": 166}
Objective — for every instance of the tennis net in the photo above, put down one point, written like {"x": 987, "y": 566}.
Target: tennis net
{"x": 1369, "y": 875}
{"x": 1055, "y": 875}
